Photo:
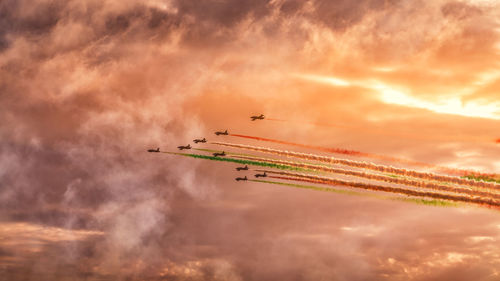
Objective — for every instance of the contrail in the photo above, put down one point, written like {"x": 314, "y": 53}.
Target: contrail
{"x": 455, "y": 171}
{"x": 383, "y": 178}
{"x": 366, "y": 165}
{"x": 398, "y": 190}
{"x": 431, "y": 202}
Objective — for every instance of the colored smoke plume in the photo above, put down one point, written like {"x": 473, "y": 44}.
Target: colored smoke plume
{"x": 383, "y": 178}
{"x": 335, "y": 150}
{"x": 398, "y": 190}
{"x": 239, "y": 161}
{"x": 366, "y": 165}
{"x": 422, "y": 201}
{"x": 454, "y": 171}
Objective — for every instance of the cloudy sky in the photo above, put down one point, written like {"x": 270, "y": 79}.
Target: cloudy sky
{"x": 87, "y": 86}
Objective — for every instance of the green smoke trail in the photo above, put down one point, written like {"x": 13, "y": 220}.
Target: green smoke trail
{"x": 420, "y": 201}
{"x": 286, "y": 167}
{"x": 239, "y": 161}
{"x": 317, "y": 188}
{"x": 481, "y": 178}
{"x": 252, "y": 156}
{"x": 241, "y": 154}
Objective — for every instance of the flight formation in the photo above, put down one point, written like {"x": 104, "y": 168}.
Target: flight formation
{"x": 424, "y": 184}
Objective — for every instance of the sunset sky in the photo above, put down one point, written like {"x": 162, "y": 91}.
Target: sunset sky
{"x": 86, "y": 87}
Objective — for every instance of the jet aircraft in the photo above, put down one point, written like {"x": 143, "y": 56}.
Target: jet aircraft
{"x": 200, "y": 140}
{"x": 261, "y": 175}
{"x": 219, "y": 154}
{"x": 182, "y": 147}
{"x": 242, "y": 168}
{"x": 222, "y": 133}
{"x": 241, "y": 179}
{"x": 154, "y": 150}
{"x": 260, "y": 117}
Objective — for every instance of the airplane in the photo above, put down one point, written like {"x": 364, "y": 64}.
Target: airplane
{"x": 260, "y": 117}
{"x": 242, "y": 179}
{"x": 222, "y": 133}
{"x": 219, "y": 154}
{"x": 184, "y": 147}
{"x": 242, "y": 168}
{"x": 261, "y": 175}
{"x": 154, "y": 150}
{"x": 198, "y": 140}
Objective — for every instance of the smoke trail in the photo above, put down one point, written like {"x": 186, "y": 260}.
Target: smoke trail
{"x": 398, "y": 190}
{"x": 239, "y": 161}
{"x": 206, "y": 150}
{"x": 426, "y": 185}
{"x": 431, "y": 202}
{"x": 482, "y": 178}
{"x": 366, "y": 165}
{"x": 383, "y": 178}
{"x": 367, "y": 155}
{"x": 334, "y": 150}
{"x": 251, "y": 157}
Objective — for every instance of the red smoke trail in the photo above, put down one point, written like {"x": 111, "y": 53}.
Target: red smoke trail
{"x": 497, "y": 141}
{"x": 368, "y": 155}
{"x": 336, "y": 182}
{"x": 402, "y": 181}
{"x": 366, "y": 165}
{"x": 332, "y": 150}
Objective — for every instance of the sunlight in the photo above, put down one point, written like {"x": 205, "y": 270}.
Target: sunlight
{"x": 323, "y": 79}
{"x": 448, "y": 105}
{"x": 390, "y": 95}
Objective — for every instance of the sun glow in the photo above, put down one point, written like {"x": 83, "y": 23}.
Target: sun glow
{"x": 399, "y": 96}
{"x": 448, "y": 105}
{"x": 334, "y": 81}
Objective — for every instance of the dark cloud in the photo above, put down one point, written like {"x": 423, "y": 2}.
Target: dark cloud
{"x": 291, "y": 6}
{"x": 38, "y": 20}
{"x": 224, "y": 12}
{"x": 339, "y": 15}
{"x": 460, "y": 10}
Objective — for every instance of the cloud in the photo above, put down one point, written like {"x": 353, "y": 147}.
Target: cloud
{"x": 87, "y": 87}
